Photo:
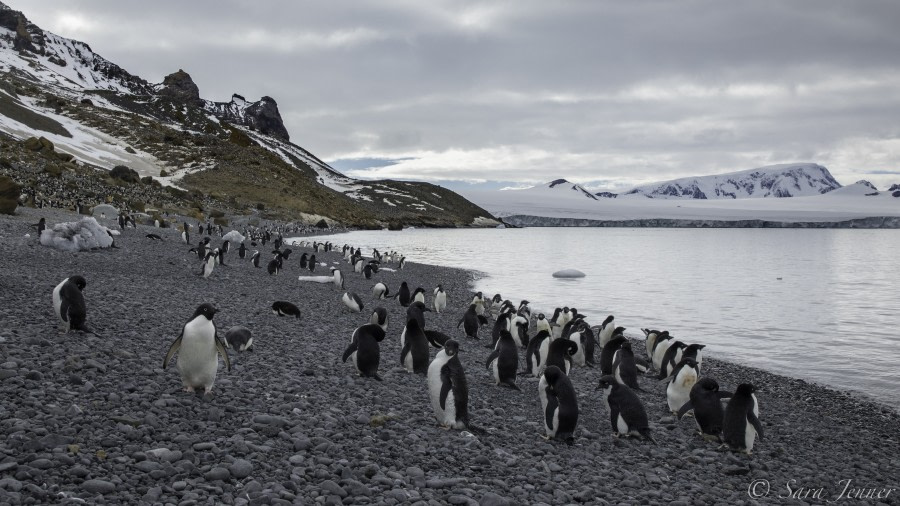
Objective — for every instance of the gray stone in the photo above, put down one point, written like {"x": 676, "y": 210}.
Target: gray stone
{"x": 98, "y": 487}
{"x": 241, "y": 468}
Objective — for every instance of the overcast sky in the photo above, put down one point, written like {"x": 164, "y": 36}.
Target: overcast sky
{"x": 606, "y": 93}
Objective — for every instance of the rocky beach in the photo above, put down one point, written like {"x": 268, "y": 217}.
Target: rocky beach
{"x": 95, "y": 418}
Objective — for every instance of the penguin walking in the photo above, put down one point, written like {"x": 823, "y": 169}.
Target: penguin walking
{"x": 624, "y": 368}
{"x": 380, "y": 291}
{"x": 504, "y": 361}
{"x": 311, "y": 264}
{"x": 706, "y": 403}
{"x": 660, "y": 347}
{"x": 254, "y": 259}
{"x": 447, "y": 388}
{"x": 283, "y": 308}
{"x": 242, "y": 251}
{"x": 740, "y": 424}
{"x": 419, "y": 295}
{"x": 534, "y": 360}
{"x": 198, "y": 347}
{"x": 379, "y": 317}
{"x": 365, "y": 351}
{"x": 478, "y": 300}
{"x": 473, "y": 321}
{"x": 559, "y": 353}
{"x": 559, "y": 403}
{"x": 274, "y": 266}
{"x": 440, "y": 299}
{"x": 627, "y": 414}
{"x": 416, "y": 311}
{"x": 606, "y": 331}
{"x": 682, "y": 380}
{"x": 239, "y": 339}
{"x": 353, "y": 302}
{"x": 414, "y": 352}
{"x": 41, "y": 226}
{"x": 304, "y": 261}
{"x": 403, "y": 294}
{"x": 209, "y": 263}
{"x": 69, "y": 305}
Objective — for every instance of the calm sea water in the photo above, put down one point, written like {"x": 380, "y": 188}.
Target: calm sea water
{"x": 821, "y": 305}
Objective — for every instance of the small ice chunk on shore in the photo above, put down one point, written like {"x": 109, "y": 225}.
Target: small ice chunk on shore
{"x": 568, "y": 273}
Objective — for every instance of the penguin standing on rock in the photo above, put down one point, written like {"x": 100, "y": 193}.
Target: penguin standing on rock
{"x": 403, "y": 294}
{"x": 198, "y": 347}
{"x": 559, "y": 403}
{"x": 559, "y": 353}
{"x": 741, "y": 424}
{"x": 624, "y": 368}
{"x": 627, "y": 415}
{"x": 536, "y": 353}
{"x": 682, "y": 380}
{"x": 706, "y": 403}
{"x": 365, "y": 351}
{"x": 68, "y": 304}
{"x": 504, "y": 360}
{"x": 414, "y": 353}
{"x": 609, "y": 350}
{"x": 209, "y": 263}
{"x": 447, "y": 388}
{"x": 473, "y": 321}
{"x": 440, "y": 299}
{"x": 242, "y": 251}
{"x": 255, "y": 259}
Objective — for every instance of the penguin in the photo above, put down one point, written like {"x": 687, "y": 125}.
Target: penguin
{"x": 304, "y": 261}
{"x": 338, "y": 278}
{"x": 286, "y": 253}
{"x": 239, "y": 338}
{"x": 560, "y": 405}
{"x": 624, "y": 368}
{"x": 675, "y": 354}
{"x": 606, "y": 331}
{"x": 496, "y": 300}
{"x": 242, "y": 251}
{"x": 368, "y": 270}
{"x": 41, "y": 226}
{"x": 706, "y": 403}
{"x": 403, "y": 294}
{"x": 419, "y": 295}
{"x": 740, "y": 424}
{"x": 68, "y": 303}
{"x": 436, "y": 338}
{"x": 650, "y": 336}
{"x": 197, "y": 347}
{"x": 254, "y": 259}
{"x": 154, "y": 237}
{"x": 209, "y": 263}
{"x": 478, "y": 300}
{"x": 683, "y": 378}
{"x": 579, "y": 357}
{"x": 448, "y": 389}
{"x": 504, "y": 360}
{"x": 416, "y": 311}
{"x": 221, "y": 256}
{"x": 283, "y": 308}
{"x": 473, "y": 321}
{"x": 627, "y": 414}
{"x": 440, "y": 299}
{"x": 534, "y": 359}
{"x": 273, "y": 266}
{"x": 589, "y": 343}
{"x": 660, "y": 347}
{"x": 380, "y": 291}
{"x": 609, "y": 350}
{"x": 365, "y": 351}
{"x": 185, "y": 233}
{"x": 559, "y": 353}
{"x": 519, "y": 330}
{"x": 414, "y": 352}
{"x": 379, "y": 317}
{"x": 502, "y": 323}
{"x": 402, "y": 263}
{"x": 542, "y": 323}
{"x": 565, "y": 317}
{"x": 311, "y": 264}
{"x": 353, "y": 302}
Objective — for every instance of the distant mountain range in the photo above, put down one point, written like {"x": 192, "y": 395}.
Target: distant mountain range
{"x": 201, "y": 155}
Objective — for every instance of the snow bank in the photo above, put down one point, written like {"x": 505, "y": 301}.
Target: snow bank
{"x": 234, "y": 236}
{"x": 85, "y": 234}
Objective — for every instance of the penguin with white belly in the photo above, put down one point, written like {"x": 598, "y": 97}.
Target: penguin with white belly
{"x": 504, "y": 361}
{"x": 682, "y": 380}
{"x": 365, "y": 351}
{"x": 198, "y": 348}
{"x": 706, "y": 403}
{"x": 68, "y": 304}
{"x": 559, "y": 403}
{"x": 741, "y": 424}
{"x": 447, "y": 388}
{"x": 627, "y": 414}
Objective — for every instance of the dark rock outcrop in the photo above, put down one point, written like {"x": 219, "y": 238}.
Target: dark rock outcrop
{"x": 9, "y": 195}
{"x": 181, "y": 88}
{"x": 124, "y": 173}
{"x": 265, "y": 118}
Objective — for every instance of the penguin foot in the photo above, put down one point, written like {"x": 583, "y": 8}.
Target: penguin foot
{"x": 188, "y": 389}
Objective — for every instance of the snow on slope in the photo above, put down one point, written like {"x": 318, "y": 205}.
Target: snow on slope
{"x": 785, "y": 180}
{"x": 852, "y": 202}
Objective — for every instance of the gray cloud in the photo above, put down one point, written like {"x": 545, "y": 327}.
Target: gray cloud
{"x": 608, "y": 93}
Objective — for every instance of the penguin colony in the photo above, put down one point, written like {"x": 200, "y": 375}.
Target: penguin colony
{"x": 521, "y": 343}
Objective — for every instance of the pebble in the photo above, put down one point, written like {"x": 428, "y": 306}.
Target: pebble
{"x": 98, "y": 486}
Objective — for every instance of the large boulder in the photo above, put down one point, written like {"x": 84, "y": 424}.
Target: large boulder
{"x": 9, "y": 195}
{"x": 124, "y": 173}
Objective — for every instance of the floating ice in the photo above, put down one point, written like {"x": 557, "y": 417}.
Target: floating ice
{"x": 568, "y": 273}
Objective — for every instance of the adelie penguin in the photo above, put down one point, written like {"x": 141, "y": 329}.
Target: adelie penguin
{"x": 473, "y": 321}
{"x": 741, "y": 424}
{"x": 624, "y": 368}
{"x": 503, "y": 362}
{"x": 239, "y": 339}
{"x": 609, "y": 350}
{"x": 68, "y": 304}
{"x": 353, "y": 302}
{"x": 198, "y": 349}
{"x": 416, "y": 311}
{"x": 255, "y": 259}
{"x": 682, "y": 380}
{"x": 536, "y": 353}
{"x": 403, "y": 294}
{"x": 559, "y": 403}
{"x": 447, "y": 388}
{"x": 440, "y": 299}
{"x": 312, "y": 263}
{"x": 677, "y": 352}
{"x": 605, "y": 333}
{"x": 380, "y": 291}
{"x": 542, "y": 323}
{"x": 627, "y": 415}
{"x": 419, "y": 295}
{"x": 559, "y": 353}
{"x": 242, "y": 251}
{"x": 209, "y": 263}
{"x": 414, "y": 353}
{"x": 282, "y": 308}
{"x": 706, "y": 403}
{"x": 154, "y": 237}
{"x": 379, "y": 317}
{"x": 365, "y": 351}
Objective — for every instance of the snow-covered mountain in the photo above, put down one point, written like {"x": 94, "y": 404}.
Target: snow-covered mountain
{"x": 785, "y": 180}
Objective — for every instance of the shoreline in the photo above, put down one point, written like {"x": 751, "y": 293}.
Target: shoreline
{"x": 84, "y": 415}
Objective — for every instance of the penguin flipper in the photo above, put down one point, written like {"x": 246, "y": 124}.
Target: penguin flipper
{"x": 349, "y": 351}
{"x": 64, "y": 310}
{"x": 172, "y": 349}
{"x": 446, "y": 386}
{"x": 641, "y": 364}
{"x": 752, "y": 418}
{"x": 684, "y": 409}
{"x": 436, "y": 338}
{"x": 552, "y": 406}
{"x": 494, "y": 354}
{"x": 221, "y": 349}
{"x": 404, "y": 352}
